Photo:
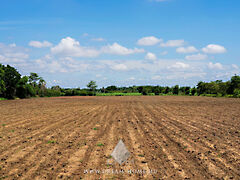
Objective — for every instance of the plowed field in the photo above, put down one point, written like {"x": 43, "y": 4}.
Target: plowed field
{"x": 73, "y": 137}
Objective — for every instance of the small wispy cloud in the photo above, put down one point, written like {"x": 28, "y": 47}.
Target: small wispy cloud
{"x": 38, "y": 44}
{"x": 173, "y": 43}
{"x": 196, "y": 57}
{"x": 85, "y": 34}
{"x": 148, "y": 41}
{"x": 98, "y": 39}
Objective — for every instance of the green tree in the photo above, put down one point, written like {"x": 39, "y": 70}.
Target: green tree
{"x": 156, "y": 90}
{"x": 102, "y": 90}
{"x": 111, "y": 88}
{"x": 58, "y": 88}
{"x": 193, "y": 91}
{"x": 11, "y": 78}
{"x": 2, "y": 83}
{"x": 236, "y": 93}
{"x": 140, "y": 89}
{"x": 133, "y": 89}
{"x": 33, "y": 79}
{"x": 24, "y": 89}
{"x": 201, "y": 88}
{"x": 42, "y": 84}
{"x": 167, "y": 90}
{"x": 92, "y": 85}
{"x": 234, "y": 84}
{"x": 223, "y": 87}
{"x": 145, "y": 91}
{"x": 187, "y": 90}
{"x": 176, "y": 89}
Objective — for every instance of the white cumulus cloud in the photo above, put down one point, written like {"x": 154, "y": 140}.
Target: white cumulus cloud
{"x": 131, "y": 78}
{"x": 235, "y": 66}
{"x": 150, "y": 56}
{"x": 119, "y": 67}
{"x": 215, "y": 66}
{"x": 12, "y": 54}
{"x": 117, "y": 49}
{"x": 157, "y": 77}
{"x": 189, "y": 49}
{"x": 63, "y": 65}
{"x": 12, "y": 45}
{"x": 38, "y": 44}
{"x": 196, "y": 57}
{"x": 148, "y": 41}
{"x": 214, "y": 49}
{"x": 179, "y": 65}
{"x": 19, "y": 55}
{"x": 70, "y": 47}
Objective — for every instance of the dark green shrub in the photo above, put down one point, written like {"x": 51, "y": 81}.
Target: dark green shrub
{"x": 236, "y": 93}
{"x": 91, "y": 93}
{"x": 68, "y": 92}
{"x": 83, "y": 93}
{"x": 176, "y": 89}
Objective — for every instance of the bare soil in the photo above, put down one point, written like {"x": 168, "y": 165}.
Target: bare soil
{"x": 73, "y": 137}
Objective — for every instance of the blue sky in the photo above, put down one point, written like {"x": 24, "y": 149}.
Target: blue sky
{"x": 121, "y": 42}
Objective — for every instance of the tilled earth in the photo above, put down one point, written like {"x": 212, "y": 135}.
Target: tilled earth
{"x": 73, "y": 137}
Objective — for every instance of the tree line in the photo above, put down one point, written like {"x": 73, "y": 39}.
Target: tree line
{"x": 13, "y": 85}
{"x": 216, "y": 88}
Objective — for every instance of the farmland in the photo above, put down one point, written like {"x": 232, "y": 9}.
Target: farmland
{"x": 171, "y": 137}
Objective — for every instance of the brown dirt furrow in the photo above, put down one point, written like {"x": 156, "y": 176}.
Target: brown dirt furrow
{"x": 38, "y": 134}
{"x": 206, "y": 119}
{"x": 15, "y": 110}
{"x": 199, "y": 154}
{"x": 182, "y": 157}
{"x": 139, "y": 160}
{"x": 209, "y": 140}
{"x": 172, "y": 158}
{"x": 34, "y": 124}
{"x": 217, "y": 134}
{"x": 68, "y": 143}
{"x": 78, "y": 160}
{"x": 179, "y": 137}
{"x": 204, "y": 145}
{"x": 136, "y": 165}
{"x": 96, "y": 160}
{"x": 151, "y": 151}
{"x": 107, "y": 161}
{"x": 52, "y": 133}
{"x": 120, "y": 132}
